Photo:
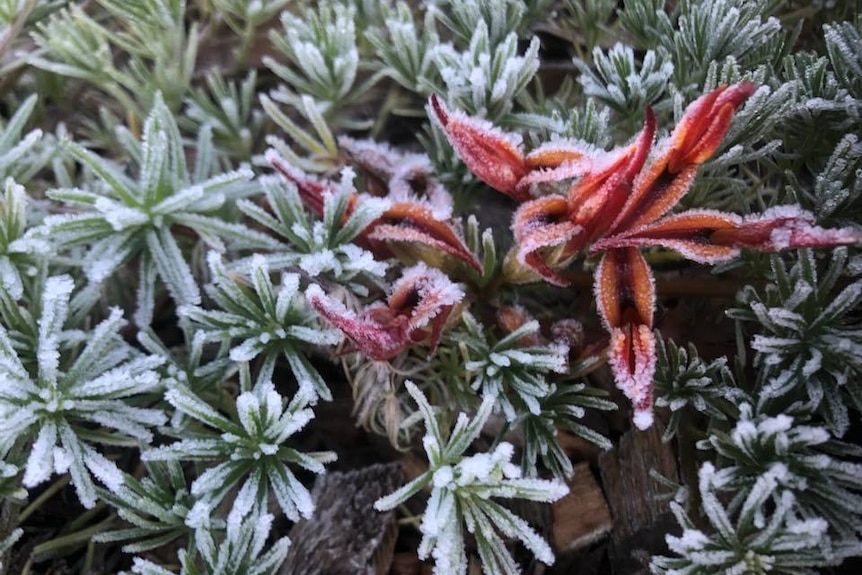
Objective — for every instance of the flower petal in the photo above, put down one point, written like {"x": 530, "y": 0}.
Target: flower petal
{"x": 598, "y": 198}
{"x": 543, "y": 223}
{"x": 631, "y": 356}
{"x": 624, "y": 289}
{"x": 689, "y": 233}
{"x": 416, "y": 223}
{"x": 694, "y": 140}
{"x": 783, "y": 228}
{"x": 379, "y": 341}
{"x": 492, "y": 155}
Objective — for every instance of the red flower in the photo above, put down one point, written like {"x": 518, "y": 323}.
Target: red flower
{"x": 422, "y": 298}
{"x": 620, "y": 203}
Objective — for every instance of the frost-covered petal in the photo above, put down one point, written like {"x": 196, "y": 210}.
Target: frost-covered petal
{"x": 492, "y": 155}
{"x": 783, "y": 228}
{"x": 631, "y": 355}
{"x": 624, "y": 289}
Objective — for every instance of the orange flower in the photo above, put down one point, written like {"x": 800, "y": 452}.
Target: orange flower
{"x": 620, "y": 203}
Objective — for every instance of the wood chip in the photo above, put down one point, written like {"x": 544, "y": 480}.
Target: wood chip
{"x": 346, "y": 535}
{"x": 582, "y": 517}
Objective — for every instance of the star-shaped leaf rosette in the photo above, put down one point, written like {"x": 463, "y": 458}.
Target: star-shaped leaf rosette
{"x": 620, "y": 201}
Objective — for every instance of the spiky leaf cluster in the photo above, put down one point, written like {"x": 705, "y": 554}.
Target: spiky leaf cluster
{"x": 75, "y": 395}
{"x": 270, "y": 322}
{"x": 240, "y": 548}
{"x": 758, "y": 535}
{"x": 461, "y": 491}
{"x": 485, "y": 78}
{"x": 808, "y": 347}
{"x": 561, "y": 409}
{"x": 776, "y": 452}
{"x": 155, "y": 507}
{"x": 513, "y": 373}
{"x": 320, "y": 44}
{"x": 121, "y": 219}
{"x": 684, "y": 380}
{"x": 250, "y": 450}
{"x": 325, "y": 247}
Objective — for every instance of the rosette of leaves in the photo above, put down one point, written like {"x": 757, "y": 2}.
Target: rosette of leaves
{"x": 77, "y": 392}
{"x": 240, "y": 548}
{"x": 250, "y": 450}
{"x": 124, "y": 219}
{"x": 320, "y": 248}
{"x": 506, "y": 369}
{"x": 684, "y": 380}
{"x": 761, "y": 534}
{"x": 462, "y": 488}
{"x": 271, "y": 322}
{"x": 485, "y": 79}
{"x": 320, "y": 43}
{"x": 798, "y": 458}
{"x": 809, "y": 349}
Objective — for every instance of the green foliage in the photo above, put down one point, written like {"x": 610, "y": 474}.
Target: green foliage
{"x": 808, "y": 349}
{"x": 462, "y": 488}
{"x": 142, "y": 165}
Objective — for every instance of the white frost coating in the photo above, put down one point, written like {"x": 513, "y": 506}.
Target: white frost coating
{"x": 198, "y": 516}
{"x": 643, "y": 419}
{"x": 104, "y": 470}
{"x": 40, "y": 461}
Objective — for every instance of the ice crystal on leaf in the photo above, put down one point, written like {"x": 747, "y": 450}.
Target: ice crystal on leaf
{"x": 618, "y": 203}
{"x": 462, "y": 488}
{"x": 74, "y": 388}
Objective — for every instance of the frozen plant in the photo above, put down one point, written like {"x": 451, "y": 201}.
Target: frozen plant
{"x": 271, "y": 322}
{"x": 622, "y": 83}
{"x": 809, "y": 352}
{"x": 77, "y": 394}
{"x": 462, "y": 488}
{"x": 510, "y": 369}
{"x": 321, "y": 46}
{"x": 406, "y": 52}
{"x": 762, "y": 535}
{"x": 798, "y": 458}
{"x": 684, "y": 380}
{"x": 240, "y": 548}
{"x": 155, "y": 507}
{"x": 324, "y": 247}
{"x": 250, "y": 450}
{"x": 485, "y": 79}
{"x": 122, "y": 219}
{"x": 19, "y": 158}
